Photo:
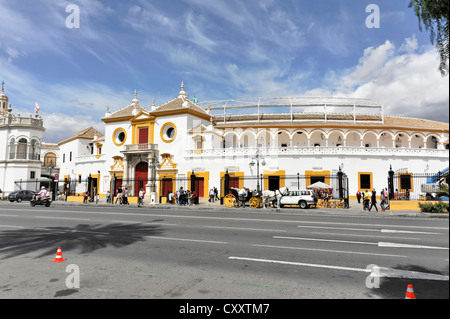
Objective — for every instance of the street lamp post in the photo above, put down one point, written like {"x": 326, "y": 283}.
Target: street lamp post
{"x": 257, "y": 158}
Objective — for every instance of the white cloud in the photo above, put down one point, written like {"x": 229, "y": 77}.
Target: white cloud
{"x": 406, "y": 83}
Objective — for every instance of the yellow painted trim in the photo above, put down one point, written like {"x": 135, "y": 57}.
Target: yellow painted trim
{"x": 359, "y": 181}
{"x": 407, "y": 204}
{"x": 232, "y": 174}
{"x": 162, "y": 132}
{"x": 205, "y": 176}
{"x": 280, "y": 173}
{"x": 161, "y": 176}
{"x": 136, "y": 127}
{"x": 410, "y": 178}
{"x": 325, "y": 174}
{"x": 114, "y": 136}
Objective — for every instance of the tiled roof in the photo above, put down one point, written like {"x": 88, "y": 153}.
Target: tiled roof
{"x": 177, "y": 104}
{"x": 343, "y": 120}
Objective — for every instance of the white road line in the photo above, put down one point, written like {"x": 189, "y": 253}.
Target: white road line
{"x": 4, "y": 215}
{"x": 240, "y": 228}
{"x": 10, "y": 226}
{"x": 398, "y": 245}
{"x": 328, "y": 240}
{"x": 383, "y": 272}
{"x": 370, "y": 236}
{"x": 58, "y": 218}
{"x": 371, "y": 225}
{"x": 408, "y": 232}
{"x": 374, "y": 230}
{"x": 185, "y": 239}
{"x": 329, "y": 251}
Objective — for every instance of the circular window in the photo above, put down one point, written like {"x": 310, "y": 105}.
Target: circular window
{"x": 168, "y": 132}
{"x": 119, "y": 136}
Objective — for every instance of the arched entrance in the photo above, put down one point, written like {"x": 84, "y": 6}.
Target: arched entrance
{"x": 140, "y": 177}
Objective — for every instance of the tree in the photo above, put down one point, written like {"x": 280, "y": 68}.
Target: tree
{"x": 434, "y": 15}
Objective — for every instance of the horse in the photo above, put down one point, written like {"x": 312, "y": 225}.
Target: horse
{"x": 270, "y": 196}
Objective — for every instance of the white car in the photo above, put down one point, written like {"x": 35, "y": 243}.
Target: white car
{"x": 302, "y": 197}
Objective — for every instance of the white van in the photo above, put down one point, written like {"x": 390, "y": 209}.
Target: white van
{"x": 301, "y": 197}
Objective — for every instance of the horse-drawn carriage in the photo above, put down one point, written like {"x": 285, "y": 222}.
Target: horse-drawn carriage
{"x": 239, "y": 198}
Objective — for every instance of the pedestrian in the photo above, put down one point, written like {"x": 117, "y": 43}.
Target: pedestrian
{"x": 179, "y": 196}
{"x": 125, "y": 197}
{"x": 141, "y": 197}
{"x": 211, "y": 195}
{"x": 358, "y": 196}
{"x": 97, "y": 198}
{"x": 373, "y": 200}
{"x": 119, "y": 195}
{"x": 366, "y": 200}
{"x": 84, "y": 198}
{"x": 194, "y": 198}
{"x": 216, "y": 193}
{"x": 108, "y": 196}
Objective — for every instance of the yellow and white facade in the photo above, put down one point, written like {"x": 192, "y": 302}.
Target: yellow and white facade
{"x": 165, "y": 144}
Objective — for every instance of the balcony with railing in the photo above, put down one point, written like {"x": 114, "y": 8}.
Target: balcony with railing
{"x": 316, "y": 150}
{"x": 140, "y": 148}
{"x": 24, "y": 156}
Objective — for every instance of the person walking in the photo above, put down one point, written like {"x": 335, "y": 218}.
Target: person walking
{"x": 125, "y": 197}
{"x": 211, "y": 195}
{"x": 141, "y": 197}
{"x": 119, "y": 195}
{"x": 358, "y": 196}
{"x": 366, "y": 200}
{"x": 373, "y": 200}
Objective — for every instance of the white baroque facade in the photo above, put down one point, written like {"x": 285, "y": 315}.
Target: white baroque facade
{"x": 163, "y": 145}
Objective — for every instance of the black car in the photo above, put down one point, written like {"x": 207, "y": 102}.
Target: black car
{"x": 20, "y": 196}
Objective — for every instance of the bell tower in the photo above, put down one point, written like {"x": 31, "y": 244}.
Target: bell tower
{"x": 3, "y": 101}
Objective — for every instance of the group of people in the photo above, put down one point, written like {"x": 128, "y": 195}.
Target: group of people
{"x": 122, "y": 196}
{"x": 182, "y": 197}
{"x": 370, "y": 199}
{"x": 213, "y": 194}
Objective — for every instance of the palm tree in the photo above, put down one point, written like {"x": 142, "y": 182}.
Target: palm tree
{"x": 434, "y": 15}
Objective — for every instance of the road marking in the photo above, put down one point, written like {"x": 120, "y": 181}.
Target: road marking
{"x": 374, "y": 230}
{"x": 240, "y": 228}
{"x": 328, "y": 240}
{"x": 372, "y": 225}
{"x": 330, "y": 251}
{"x": 379, "y": 244}
{"x": 10, "y": 226}
{"x": 359, "y": 235}
{"x": 57, "y": 218}
{"x": 383, "y": 272}
{"x": 4, "y": 215}
{"x": 185, "y": 239}
{"x": 398, "y": 245}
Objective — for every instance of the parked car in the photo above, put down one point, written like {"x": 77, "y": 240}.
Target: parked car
{"x": 21, "y": 195}
{"x": 302, "y": 197}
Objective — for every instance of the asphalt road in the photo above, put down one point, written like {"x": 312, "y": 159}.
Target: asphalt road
{"x": 129, "y": 252}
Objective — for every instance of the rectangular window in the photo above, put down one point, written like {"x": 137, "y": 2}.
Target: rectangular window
{"x": 64, "y": 158}
{"x": 199, "y": 145}
{"x": 405, "y": 181}
{"x": 365, "y": 181}
{"x": 70, "y": 157}
{"x": 32, "y": 174}
{"x": 79, "y": 179}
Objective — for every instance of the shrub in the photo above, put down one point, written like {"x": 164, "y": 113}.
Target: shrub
{"x": 438, "y": 207}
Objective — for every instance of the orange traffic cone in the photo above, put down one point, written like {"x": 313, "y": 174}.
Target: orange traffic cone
{"x": 410, "y": 293}
{"x": 59, "y": 257}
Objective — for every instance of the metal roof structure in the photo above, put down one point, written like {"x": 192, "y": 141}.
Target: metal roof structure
{"x": 298, "y": 105}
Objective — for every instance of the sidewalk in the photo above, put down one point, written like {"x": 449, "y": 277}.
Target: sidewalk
{"x": 354, "y": 210}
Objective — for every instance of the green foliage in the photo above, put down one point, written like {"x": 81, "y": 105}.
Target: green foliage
{"x": 434, "y": 15}
{"x": 437, "y": 207}
{"x": 443, "y": 190}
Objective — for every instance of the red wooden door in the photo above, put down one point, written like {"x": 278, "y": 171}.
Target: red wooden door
{"x": 143, "y": 135}
{"x": 140, "y": 177}
{"x": 200, "y": 186}
{"x": 166, "y": 186}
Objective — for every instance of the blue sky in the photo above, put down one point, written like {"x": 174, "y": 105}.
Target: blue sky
{"x": 230, "y": 49}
